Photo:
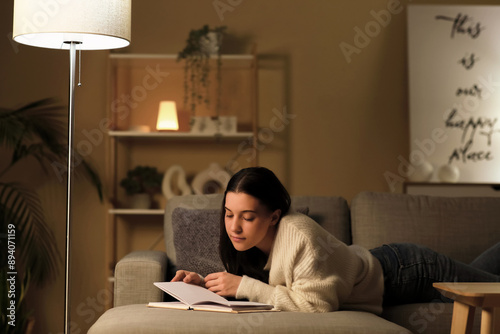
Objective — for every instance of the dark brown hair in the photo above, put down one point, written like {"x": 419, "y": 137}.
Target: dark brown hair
{"x": 261, "y": 183}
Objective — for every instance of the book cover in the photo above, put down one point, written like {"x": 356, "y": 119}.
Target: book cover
{"x": 197, "y": 298}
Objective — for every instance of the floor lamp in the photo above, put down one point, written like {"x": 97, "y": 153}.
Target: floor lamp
{"x": 72, "y": 25}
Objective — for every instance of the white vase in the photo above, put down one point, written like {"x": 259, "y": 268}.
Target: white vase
{"x": 449, "y": 174}
{"x": 228, "y": 124}
{"x": 212, "y": 180}
{"x": 203, "y": 125}
{"x": 175, "y": 174}
{"x": 140, "y": 201}
{"x": 210, "y": 43}
{"x": 210, "y": 125}
{"x": 422, "y": 172}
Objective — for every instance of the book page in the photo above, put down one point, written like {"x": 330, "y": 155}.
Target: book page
{"x": 194, "y": 295}
{"x": 191, "y": 294}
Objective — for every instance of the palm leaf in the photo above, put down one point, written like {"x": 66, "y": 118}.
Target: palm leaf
{"x": 35, "y": 128}
{"x": 94, "y": 178}
{"x": 36, "y": 247}
{"x": 9, "y": 129}
{"x": 41, "y": 119}
{"x": 39, "y": 130}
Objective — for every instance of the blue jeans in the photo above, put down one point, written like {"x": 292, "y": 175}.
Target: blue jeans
{"x": 410, "y": 270}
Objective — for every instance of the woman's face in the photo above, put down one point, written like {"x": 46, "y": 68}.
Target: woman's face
{"x": 249, "y": 223}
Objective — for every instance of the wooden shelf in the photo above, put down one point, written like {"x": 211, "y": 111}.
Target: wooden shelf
{"x": 228, "y": 60}
{"x": 137, "y": 211}
{"x": 180, "y": 135}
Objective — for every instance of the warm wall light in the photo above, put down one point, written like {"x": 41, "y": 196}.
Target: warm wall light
{"x": 167, "y": 116}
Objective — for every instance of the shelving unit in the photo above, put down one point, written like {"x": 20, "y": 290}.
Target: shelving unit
{"x": 137, "y": 83}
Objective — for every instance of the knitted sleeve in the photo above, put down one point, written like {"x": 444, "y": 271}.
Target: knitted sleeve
{"x": 304, "y": 275}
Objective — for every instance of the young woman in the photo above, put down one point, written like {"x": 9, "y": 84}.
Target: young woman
{"x": 273, "y": 256}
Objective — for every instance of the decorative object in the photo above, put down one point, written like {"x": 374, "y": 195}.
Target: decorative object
{"x": 422, "y": 172}
{"x": 228, "y": 124}
{"x": 448, "y": 173}
{"x": 167, "y": 116}
{"x": 142, "y": 180}
{"x": 203, "y": 125}
{"x": 140, "y": 128}
{"x": 450, "y": 46}
{"x": 210, "y": 42}
{"x": 140, "y": 201}
{"x": 214, "y": 125}
{"x": 175, "y": 174}
{"x": 82, "y": 25}
{"x": 200, "y": 46}
{"x": 212, "y": 180}
{"x": 34, "y": 132}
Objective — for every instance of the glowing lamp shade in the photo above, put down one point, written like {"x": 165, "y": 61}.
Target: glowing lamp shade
{"x": 167, "y": 116}
{"x": 92, "y": 24}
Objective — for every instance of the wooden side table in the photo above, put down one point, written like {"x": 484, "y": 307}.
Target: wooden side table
{"x": 468, "y": 296}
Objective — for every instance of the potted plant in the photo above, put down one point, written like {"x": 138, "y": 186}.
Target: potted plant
{"x": 37, "y": 130}
{"x": 200, "y": 46}
{"x": 141, "y": 183}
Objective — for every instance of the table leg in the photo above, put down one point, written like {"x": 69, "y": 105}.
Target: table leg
{"x": 489, "y": 323}
{"x": 462, "y": 319}
{"x": 496, "y": 320}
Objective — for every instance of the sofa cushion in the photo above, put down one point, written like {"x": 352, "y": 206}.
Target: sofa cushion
{"x": 141, "y": 319}
{"x": 196, "y": 239}
{"x": 459, "y": 227}
{"x": 193, "y": 202}
{"x": 331, "y": 212}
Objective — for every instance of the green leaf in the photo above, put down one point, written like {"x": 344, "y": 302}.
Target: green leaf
{"x": 35, "y": 243}
{"x": 94, "y": 178}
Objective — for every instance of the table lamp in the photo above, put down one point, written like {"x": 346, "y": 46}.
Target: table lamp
{"x": 72, "y": 25}
{"x": 167, "y": 116}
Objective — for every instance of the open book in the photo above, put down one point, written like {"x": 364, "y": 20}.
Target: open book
{"x": 197, "y": 298}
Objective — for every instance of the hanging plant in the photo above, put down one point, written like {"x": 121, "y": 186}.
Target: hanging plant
{"x": 201, "y": 45}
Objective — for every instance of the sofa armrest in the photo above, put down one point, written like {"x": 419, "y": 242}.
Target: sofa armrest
{"x": 134, "y": 277}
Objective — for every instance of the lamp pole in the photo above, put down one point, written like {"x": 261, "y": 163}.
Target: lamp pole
{"x": 71, "y": 127}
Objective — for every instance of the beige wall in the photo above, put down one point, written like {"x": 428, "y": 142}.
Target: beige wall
{"x": 350, "y": 118}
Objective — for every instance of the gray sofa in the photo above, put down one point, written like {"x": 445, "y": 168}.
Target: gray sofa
{"x": 459, "y": 227}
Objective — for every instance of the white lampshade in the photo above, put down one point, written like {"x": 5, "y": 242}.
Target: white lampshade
{"x": 95, "y": 24}
{"x": 167, "y": 116}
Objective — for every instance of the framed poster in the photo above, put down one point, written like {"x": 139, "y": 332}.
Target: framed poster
{"x": 454, "y": 93}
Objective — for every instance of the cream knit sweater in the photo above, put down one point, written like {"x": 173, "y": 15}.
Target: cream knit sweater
{"x": 312, "y": 271}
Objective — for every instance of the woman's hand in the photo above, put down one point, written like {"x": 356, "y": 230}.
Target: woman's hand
{"x": 188, "y": 277}
{"x": 223, "y": 283}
